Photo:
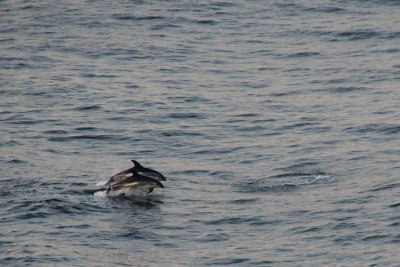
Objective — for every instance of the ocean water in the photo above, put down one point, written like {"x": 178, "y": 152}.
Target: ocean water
{"x": 276, "y": 123}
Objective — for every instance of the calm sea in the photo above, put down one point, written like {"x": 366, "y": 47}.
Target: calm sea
{"x": 276, "y": 123}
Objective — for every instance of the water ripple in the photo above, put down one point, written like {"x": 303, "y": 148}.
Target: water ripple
{"x": 276, "y": 126}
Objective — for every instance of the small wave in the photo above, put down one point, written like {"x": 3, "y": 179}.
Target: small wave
{"x": 395, "y": 205}
{"x": 256, "y": 186}
{"x": 243, "y": 201}
{"x": 229, "y": 261}
{"x": 189, "y": 115}
{"x": 100, "y": 137}
{"x": 55, "y": 132}
{"x": 303, "y": 54}
{"x": 188, "y": 99}
{"x": 375, "y": 128}
{"x": 375, "y": 237}
{"x": 355, "y": 35}
{"x": 229, "y": 220}
{"x": 344, "y": 89}
{"x": 138, "y": 18}
{"x": 16, "y": 161}
{"x": 222, "y": 4}
{"x": 86, "y": 129}
{"x": 164, "y": 26}
{"x": 294, "y": 174}
{"x": 87, "y": 108}
{"x": 180, "y": 133}
{"x": 214, "y": 237}
{"x": 207, "y": 22}
{"x": 297, "y": 125}
{"x": 48, "y": 207}
{"x": 284, "y": 182}
{"x": 326, "y": 9}
{"x": 384, "y": 187}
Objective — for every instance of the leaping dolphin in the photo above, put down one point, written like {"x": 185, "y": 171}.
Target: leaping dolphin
{"x": 138, "y": 168}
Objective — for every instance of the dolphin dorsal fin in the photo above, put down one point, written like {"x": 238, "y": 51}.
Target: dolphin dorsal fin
{"x": 137, "y": 164}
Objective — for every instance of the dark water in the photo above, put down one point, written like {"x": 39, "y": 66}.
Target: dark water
{"x": 277, "y": 124}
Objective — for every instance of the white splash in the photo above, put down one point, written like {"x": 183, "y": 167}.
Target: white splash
{"x": 100, "y": 193}
{"x": 125, "y": 192}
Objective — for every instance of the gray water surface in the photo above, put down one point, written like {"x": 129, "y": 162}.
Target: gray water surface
{"x": 276, "y": 123}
